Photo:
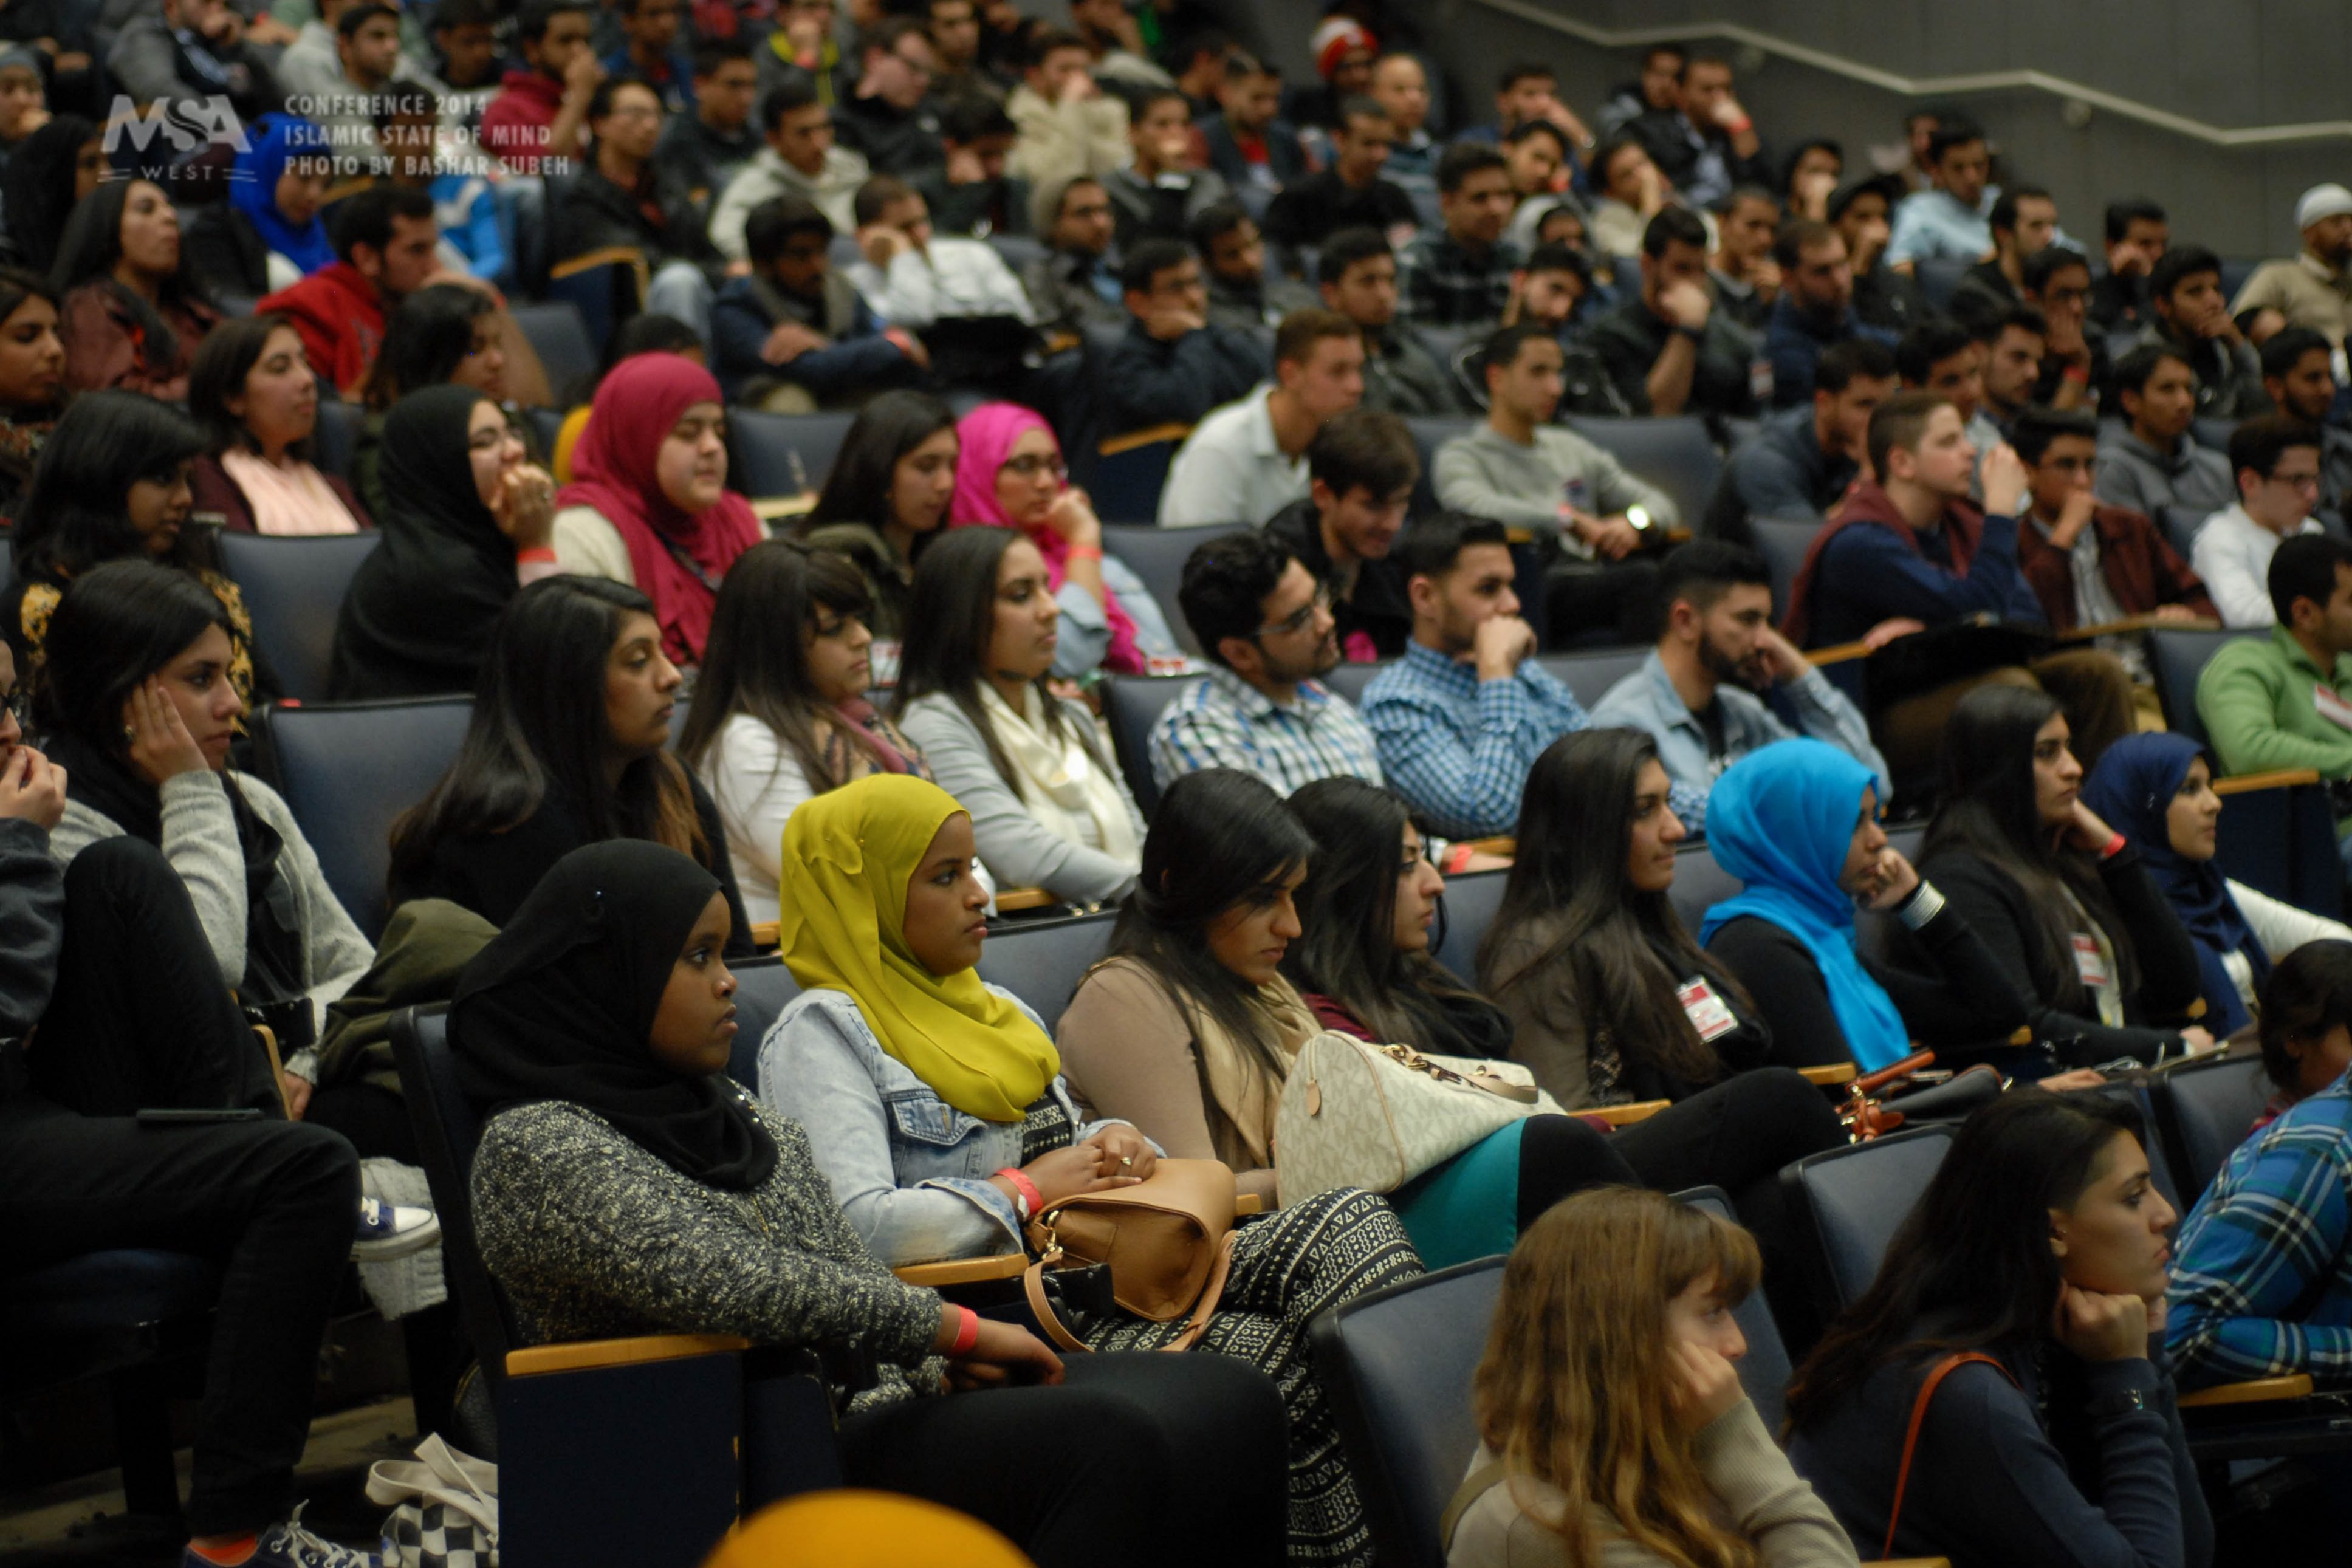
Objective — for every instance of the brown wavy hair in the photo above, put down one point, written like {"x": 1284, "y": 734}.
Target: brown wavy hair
{"x": 1577, "y": 1386}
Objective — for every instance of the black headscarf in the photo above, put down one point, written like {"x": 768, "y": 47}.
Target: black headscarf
{"x": 418, "y": 616}
{"x": 37, "y": 190}
{"x": 560, "y": 1006}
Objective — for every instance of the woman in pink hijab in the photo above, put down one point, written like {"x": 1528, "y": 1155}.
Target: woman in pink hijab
{"x": 649, "y": 503}
{"x": 1010, "y": 474}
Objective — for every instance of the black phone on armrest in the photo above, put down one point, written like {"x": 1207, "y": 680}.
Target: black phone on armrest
{"x": 194, "y": 1117}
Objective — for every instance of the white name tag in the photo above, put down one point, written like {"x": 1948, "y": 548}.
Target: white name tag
{"x": 2088, "y": 963}
{"x": 2332, "y": 708}
{"x": 1706, "y": 1011}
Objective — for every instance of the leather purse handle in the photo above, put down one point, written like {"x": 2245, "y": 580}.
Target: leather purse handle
{"x": 1936, "y": 1377}
{"x": 1033, "y": 1286}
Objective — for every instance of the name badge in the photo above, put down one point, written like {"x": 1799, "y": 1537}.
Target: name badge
{"x": 1706, "y": 1011}
{"x": 2332, "y": 708}
{"x": 2088, "y": 964}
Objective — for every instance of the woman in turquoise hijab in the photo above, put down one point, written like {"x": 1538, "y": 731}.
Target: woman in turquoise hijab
{"x": 268, "y": 235}
{"x": 1797, "y": 822}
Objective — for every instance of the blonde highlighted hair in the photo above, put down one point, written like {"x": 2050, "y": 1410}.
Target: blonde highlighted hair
{"x": 1577, "y": 1387}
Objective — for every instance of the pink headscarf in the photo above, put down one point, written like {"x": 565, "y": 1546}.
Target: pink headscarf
{"x": 613, "y": 471}
{"x": 986, "y": 437}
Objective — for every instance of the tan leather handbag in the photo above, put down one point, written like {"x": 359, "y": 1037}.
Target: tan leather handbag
{"x": 1167, "y": 1241}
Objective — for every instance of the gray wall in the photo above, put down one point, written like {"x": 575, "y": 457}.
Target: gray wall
{"x": 2230, "y": 63}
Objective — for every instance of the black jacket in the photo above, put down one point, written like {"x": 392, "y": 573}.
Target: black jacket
{"x": 1144, "y": 381}
{"x": 594, "y": 214}
{"x": 226, "y": 253}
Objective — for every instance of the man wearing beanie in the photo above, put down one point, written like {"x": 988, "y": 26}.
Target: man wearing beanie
{"x": 2315, "y": 288}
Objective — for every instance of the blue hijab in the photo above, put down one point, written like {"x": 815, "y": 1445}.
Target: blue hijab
{"x": 2132, "y": 789}
{"x": 273, "y": 141}
{"x": 1781, "y": 820}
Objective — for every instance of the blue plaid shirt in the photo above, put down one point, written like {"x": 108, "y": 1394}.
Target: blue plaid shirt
{"x": 1225, "y": 722}
{"x": 2261, "y": 1280}
{"x": 1459, "y": 748}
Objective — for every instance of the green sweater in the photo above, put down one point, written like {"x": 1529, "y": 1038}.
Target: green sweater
{"x": 2258, "y": 696}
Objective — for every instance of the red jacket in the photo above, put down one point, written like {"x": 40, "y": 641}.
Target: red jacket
{"x": 340, "y": 318}
{"x": 516, "y": 123}
{"x": 2142, "y": 568}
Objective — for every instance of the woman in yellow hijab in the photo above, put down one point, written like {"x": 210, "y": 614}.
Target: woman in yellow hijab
{"x": 935, "y": 1106}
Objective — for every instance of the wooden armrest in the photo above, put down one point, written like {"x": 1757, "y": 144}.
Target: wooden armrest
{"x": 1518, "y": 536}
{"x": 588, "y": 1354}
{"x": 1915, "y": 1562}
{"x": 1838, "y": 654}
{"x": 2277, "y": 779}
{"x": 2131, "y": 623}
{"x": 1248, "y": 1203}
{"x": 1621, "y": 1115}
{"x": 277, "y": 1067}
{"x": 1829, "y": 1075}
{"x": 1012, "y": 900}
{"x": 766, "y": 934}
{"x": 965, "y": 1270}
{"x": 2259, "y": 1391}
{"x": 2196, "y": 1009}
{"x": 610, "y": 256}
{"x": 1112, "y": 446}
{"x": 1500, "y": 845}
{"x": 2021, "y": 1035}
{"x": 776, "y": 509}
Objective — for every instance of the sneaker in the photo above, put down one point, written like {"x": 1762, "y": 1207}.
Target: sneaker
{"x": 289, "y": 1545}
{"x": 389, "y": 1231}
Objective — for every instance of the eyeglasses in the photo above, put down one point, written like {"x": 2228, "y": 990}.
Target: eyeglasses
{"x": 1300, "y": 619}
{"x": 1031, "y": 466}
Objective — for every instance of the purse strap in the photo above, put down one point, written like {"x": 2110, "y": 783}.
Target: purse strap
{"x": 1476, "y": 1485}
{"x": 1033, "y": 1286}
{"x": 1935, "y": 1379}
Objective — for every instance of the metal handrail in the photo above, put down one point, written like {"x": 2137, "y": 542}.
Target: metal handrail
{"x": 1925, "y": 86}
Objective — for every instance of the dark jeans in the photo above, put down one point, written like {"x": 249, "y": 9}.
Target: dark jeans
{"x": 141, "y": 1018}
{"x": 1140, "y": 1458}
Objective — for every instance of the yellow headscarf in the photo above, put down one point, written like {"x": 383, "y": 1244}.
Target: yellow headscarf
{"x": 847, "y": 856}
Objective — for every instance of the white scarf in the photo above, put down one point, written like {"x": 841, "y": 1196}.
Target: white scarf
{"x": 1060, "y": 782}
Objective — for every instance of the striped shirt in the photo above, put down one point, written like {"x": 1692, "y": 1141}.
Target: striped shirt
{"x": 1225, "y": 722}
{"x": 2261, "y": 1284}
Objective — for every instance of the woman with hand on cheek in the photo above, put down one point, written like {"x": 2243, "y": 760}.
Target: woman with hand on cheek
{"x": 2041, "y": 1245}
{"x": 1613, "y": 1429}
{"x": 624, "y": 1186}
{"x": 936, "y": 1110}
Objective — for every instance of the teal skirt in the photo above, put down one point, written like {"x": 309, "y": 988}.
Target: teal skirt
{"x": 1467, "y": 1207}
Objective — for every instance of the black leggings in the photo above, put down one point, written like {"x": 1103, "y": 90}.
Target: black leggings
{"x": 1140, "y": 1458}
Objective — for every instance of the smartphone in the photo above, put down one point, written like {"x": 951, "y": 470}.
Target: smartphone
{"x": 186, "y": 1117}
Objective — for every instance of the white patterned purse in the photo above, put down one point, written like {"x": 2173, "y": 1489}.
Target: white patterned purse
{"x": 1375, "y": 1117}
{"x": 447, "y": 1513}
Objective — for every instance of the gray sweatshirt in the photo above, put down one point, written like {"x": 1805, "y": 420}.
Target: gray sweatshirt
{"x": 1487, "y": 474}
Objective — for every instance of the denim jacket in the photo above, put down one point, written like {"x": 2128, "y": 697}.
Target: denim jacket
{"x": 908, "y": 1169}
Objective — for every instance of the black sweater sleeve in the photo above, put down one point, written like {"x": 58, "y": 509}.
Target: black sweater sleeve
{"x": 1785, "y": 983}
{"x": 2169, "y": 978}
{"x": 1961, "y": 974}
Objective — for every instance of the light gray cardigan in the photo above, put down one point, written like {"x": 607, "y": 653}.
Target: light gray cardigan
{"x": 200, "y": 841}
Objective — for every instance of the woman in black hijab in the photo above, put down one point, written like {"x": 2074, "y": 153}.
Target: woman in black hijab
{"x": 624, "y": 1186}
{"x": 467, "y": 522}
{"x": 54, "y": 168}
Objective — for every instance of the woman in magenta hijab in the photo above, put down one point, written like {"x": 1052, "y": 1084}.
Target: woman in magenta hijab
{"x": 649, "y": 503}
{"x": 1010, "y": 474}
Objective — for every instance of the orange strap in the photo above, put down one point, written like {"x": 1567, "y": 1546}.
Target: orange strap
{"x": 1936, "y": 1377}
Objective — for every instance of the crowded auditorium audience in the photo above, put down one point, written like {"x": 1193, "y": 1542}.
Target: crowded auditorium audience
{"x": 790, "y": 658}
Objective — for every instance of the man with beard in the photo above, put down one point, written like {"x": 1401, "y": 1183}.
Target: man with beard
{"x": 2313, "y": 288}
{"x": 1700, "y": 694}
{"x": 1266, "y": 623}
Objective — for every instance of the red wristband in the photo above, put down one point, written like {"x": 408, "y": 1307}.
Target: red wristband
{"x": 2115, "y": 847}
{"x": 1083, "y": 552}
{"x": 1032, "y": 1200}
{"x": 2075, "y": 374}
{"x": 1457, "y": 857}
{"x": 536, "y": 552}
{"x": 967, "y": 1336}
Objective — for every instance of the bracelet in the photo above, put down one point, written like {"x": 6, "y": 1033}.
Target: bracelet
{"x": 1084, "y": 552}
{"x": 1027, "y": 1201}
{"x": 967, "y": 1336}
{"x": 1741, "y": 126}
{"x": 1457, "y": 857}
{"x": 2075, "y": 374}
{"x": 536, "y": 553}
{"x": 2115, "y": 847}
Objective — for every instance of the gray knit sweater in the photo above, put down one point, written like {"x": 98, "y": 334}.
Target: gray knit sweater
{"x": 591, "y": 1237}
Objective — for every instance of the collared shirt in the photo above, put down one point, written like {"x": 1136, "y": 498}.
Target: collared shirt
{"x": 1225, "y": 722}
{"x": 2137, "y": 477}
{"x": 2094, "y": 598}
{"x": 1440, "y": 284}
{"x": 1459, "y": 748}
{"x": 1932, "y": 224}
{"x": 2260, "y": 700}
{"x": 1646, "y": 700}
{"x": 2232, "y": 554}
{"x": 2305, "y": 290}
{"x": 949, "y": 279}
{"x": 1231, "y": 469}
{"x": 2262, "y": 1282}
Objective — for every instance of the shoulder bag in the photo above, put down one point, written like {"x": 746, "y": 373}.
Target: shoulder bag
{"x": 1936, "y": 1375}
{"x": 1356, "y": 1115}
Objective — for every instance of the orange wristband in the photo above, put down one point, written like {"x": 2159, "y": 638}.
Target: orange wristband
{"x": 1085, "y": 552}
{"x": 536, "y": 553}
{"x": 966, "y": 1336}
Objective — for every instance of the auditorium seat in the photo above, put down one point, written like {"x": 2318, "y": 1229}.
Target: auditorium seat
{"x": 335, "y": 437}
{"x": 1471, "y": 902}
{"x": 1350, "y": 679}
{"x": 1938, "y": 276}
{"x": 764, "y": 988}
{"x": 559, "y": 338}
{"x": 1131, "y": 706}
{"x": 1589, "y": 676}
{"x": 1852, "y": 1200}
{"x": 2205, "y": 1111}
{"x": 1675, "y": 454}
{"x": 780, "y": 454}
{"x": 293, "y": 590}
{"x": 1783, "y": 542}
{"x": 1764, "y": 1371}
{"x": 2178, "y": 655}
{"x": 1698, "y": 882}
{"x": 1131, "y": 469}
{"x": 1043, "y": 961}
{"x": 1158, "y": 556}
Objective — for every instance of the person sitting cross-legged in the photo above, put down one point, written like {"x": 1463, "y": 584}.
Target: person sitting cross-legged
{"x": 1266, "y": 623}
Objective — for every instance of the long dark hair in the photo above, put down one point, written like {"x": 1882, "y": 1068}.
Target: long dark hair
{"x": 538, "y": 729}
{"x": 38, "y": 184}
{"x": 74, "y": 516}
{"x": 92, "y": 244}
{"x": 18, "y": 286}
{"x": 223, "y": 360}
{"x": 1222, "y": 837}
{"x": 756, "y": 659}
{"x": 2307, "y": 995}
{"x": 1347, "y": 907}
{"x": 1571, "y": 875}
{"x": 858, "y": 489}
{"x": 117, "y": 624}
{"x": 1970, "y": 1267}
{"x": 1988, "y": 812}
{"x": 426, "y": 338}
{"x": 951, "y": 619}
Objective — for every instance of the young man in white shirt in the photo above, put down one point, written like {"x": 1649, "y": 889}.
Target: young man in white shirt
{"x": 2277, "y": 460}
{"x": 1246, "y": 461}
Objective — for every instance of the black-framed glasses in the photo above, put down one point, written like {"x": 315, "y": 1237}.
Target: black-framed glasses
{"x": 1299, "y": 620}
